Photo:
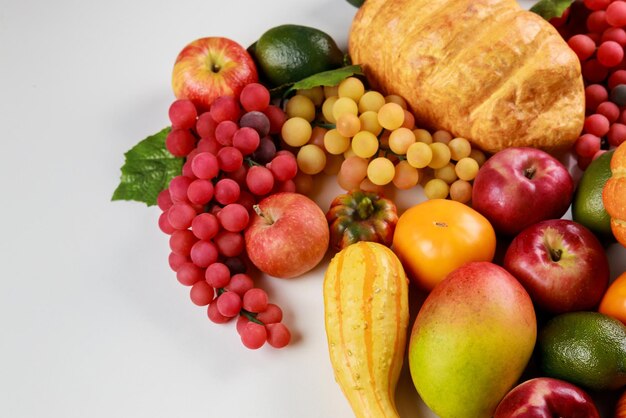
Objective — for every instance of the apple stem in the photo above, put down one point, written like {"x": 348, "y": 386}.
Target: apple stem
{"x": 529, "y": 173}
{"x": 555, "y": 254}
{"x": 259, "y": 212}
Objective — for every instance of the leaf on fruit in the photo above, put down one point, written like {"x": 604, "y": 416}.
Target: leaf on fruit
{"x": 550, "y": 8}
{"x": 147, "y": 170}
{"x": 326, "y": 78}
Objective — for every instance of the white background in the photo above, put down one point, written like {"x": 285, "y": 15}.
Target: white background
{"x": 94, "y": 323}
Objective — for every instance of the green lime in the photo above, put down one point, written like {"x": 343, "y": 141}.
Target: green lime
{"x": 289, "y": 53}
{"x": 587, "y": 206}
{"x": 585, "y": 348}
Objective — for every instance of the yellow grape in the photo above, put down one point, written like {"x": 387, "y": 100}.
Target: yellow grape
{"x": 296, "y": 131}
{"x": 365, "y": 144}
{"x": 371, "y": 101}
{"x": 479, "y": 156}
{"x": 304, "y": 182}
{"x": 446, "y": 173}
{"x": 311, "y": 159}
{"x": 330, "y": 91}
{"x": 348, "y": 124}
{"x": 367, "y": 186}
{"x": 335, "y": 143}
{"x": 391, "y": 116}
{"x": 442, "y": 136}
{"x": 380, "y": 171}
{"x": 327, "y": 109}
{"x": 316, "y": 94}
{"x": 441, "y": 155}
{"x": 461, "y": 191}
{"x": 351, "y": 87}
{"x": 466, "y": 168}
{"x": 422, "y": 135}
{"x": 436, "y": 189}
{"x": 349, "y": 153}
{"x": 344, "y": 105}
{"x": 394, "y": 98}
{"x": 369, "y": 122}
{"x": 333, "y": 164}
{"x": 409, "y": 120}
{"x": 317, "y": 136}
{"x": 347, "y": 183}
{"x": 300, "y": 106}
{"x": 459, "y": 148}
{"x": 400, "y": 140}
{"x": 419, "y": 155}
{"x": 406, "y": 176}
{"x": 352, "y": 172}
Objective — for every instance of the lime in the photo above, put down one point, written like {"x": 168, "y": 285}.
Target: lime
{"x": 585, "y": 348}
{"x": 587, "y": 206}
{"x": 289, "y": 53}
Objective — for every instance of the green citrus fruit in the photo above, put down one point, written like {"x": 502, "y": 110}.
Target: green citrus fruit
{"x": 587, "y": 206}
{"x": 584, "y": 348}
{"x": 289, "y": 53}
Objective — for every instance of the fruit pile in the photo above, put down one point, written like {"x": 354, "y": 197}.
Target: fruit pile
{"x": 230, "y": 161}
{"x": 370, "y": 140}
{"x": 237, "y": 167}
{"x": 594, "y": 29}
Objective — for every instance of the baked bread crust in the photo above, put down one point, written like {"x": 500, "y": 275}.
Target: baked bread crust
{"x": 485, "y": 70}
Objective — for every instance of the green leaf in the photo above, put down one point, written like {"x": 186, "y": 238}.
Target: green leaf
{"x": 148, "y": 169}
{"x": 550, "y": 8}
{"x": 326, "y": 78}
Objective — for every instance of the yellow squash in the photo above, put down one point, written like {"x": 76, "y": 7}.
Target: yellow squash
{"x": 366, "y": 316}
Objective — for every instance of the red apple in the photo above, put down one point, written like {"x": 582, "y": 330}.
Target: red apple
{"x": 518, "y": 187}
{"x": 544, "y": 397}
{"x": 211, "y": 67}
{"x": 561, "y": 264}
{"x": 287, "y": 236}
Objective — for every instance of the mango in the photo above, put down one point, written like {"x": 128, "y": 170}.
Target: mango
{"x": 471, "y": 341}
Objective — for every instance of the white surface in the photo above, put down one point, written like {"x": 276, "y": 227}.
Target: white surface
{"x": 94, "y": 324}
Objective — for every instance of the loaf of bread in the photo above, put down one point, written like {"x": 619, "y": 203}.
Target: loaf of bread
{"x": 485, "y": 70}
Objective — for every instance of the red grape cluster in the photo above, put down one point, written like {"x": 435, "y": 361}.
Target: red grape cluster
{"x": 231, "y": 162}
{"x": 595, "y": 30}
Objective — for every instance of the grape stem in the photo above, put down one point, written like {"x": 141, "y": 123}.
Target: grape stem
{"x": 325, "y": 125}
{"x": 251, "y": 162}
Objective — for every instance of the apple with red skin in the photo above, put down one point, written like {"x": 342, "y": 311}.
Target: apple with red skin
{"x": 544, "y": 397}
{"x": 211, "y": 67}
{"x": 561, "y": 264}
{"x": 518, "y": 187}
{"x": 287, "y": 236}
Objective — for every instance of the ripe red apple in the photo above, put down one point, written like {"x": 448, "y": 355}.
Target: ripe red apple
{"x": 518, "y": 187}
{"x": 546, "y": 397}
{"x": 561, "y": 264}
{"x": 211, "y": 67}
{"x": 287, "y": 236}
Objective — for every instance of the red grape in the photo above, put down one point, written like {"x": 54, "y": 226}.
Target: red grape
{"x": 609, "y": 110}
{"x": 246, "y": 140}
{"x": 259, "y": 180}
{"x": 178, "y": 188}
{"x": 618, "y": 77}
{"x": 593, "y": 71}
{"x": 253, "y": 335}
{"x": 596, "y": 4}
{"x": 233, "y": 217}
{"x": 227, "y": 191}
{"x": 596, "y": 21}
{"x": 610, "y": 53}
{"x": 229, "y": 158}
{"x": 265, "y": 152}
{"x": 188, "y": 274}
{"x": 235, "y": 265}
{"x": 614, "y": 34}
{"x": 181, "y": 242}
{"x": 203, "y": 253}
{"x": 217, "y": 275}
{"x": 224, "y": 132}
{"x": 594, "y": 95}
{"x": 288, "y": 186}
{"x": 164, "y": 200}
{"x": 201, "y": 293}
{"x": 229, "y": 304}
{"x": 183, "y": 114}
{"x": 205, "y": 166}
{"x": 587, "y": 145}
{"x": 205, "y": 226}
{"x": 200, "y": 192}
{"x": 255, "y": 300}
{"x": 205, "y": 126}
{"x": 176, "y": 260}
{"x": 271, "y": 315}
{"x": 165, "y": 225}
{"x": 239, "y": 175}
{"x": 229, "y": 244}
{"x": 277, "y": 118}
{"x": 616, "y": 14}
{"x": 257, "y": 121}
{"x": 208, "y": 145}
{"x": 242, "y": 321}
{"x": 180, "y": 215}
{"x": 617, "y": 134}
{"x": 225, "y": 108}
{"x": 180, "y": 142}
{"x": 214, "y": 315}
{"x": 597, "y": 125}
{"x": 254, "y": 96}
{"x": 240, "y": 283}
{"x": 278, "y": 335}
{"x": 582, "y": 45}
{"x": 284, "y": 167}
{"x": 246, "y": 199}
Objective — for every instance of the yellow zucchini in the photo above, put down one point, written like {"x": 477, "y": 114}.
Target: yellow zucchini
{"x": 366, "y": 317}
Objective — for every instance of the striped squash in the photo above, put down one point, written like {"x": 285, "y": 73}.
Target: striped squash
{"x": 366, "y": 317}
